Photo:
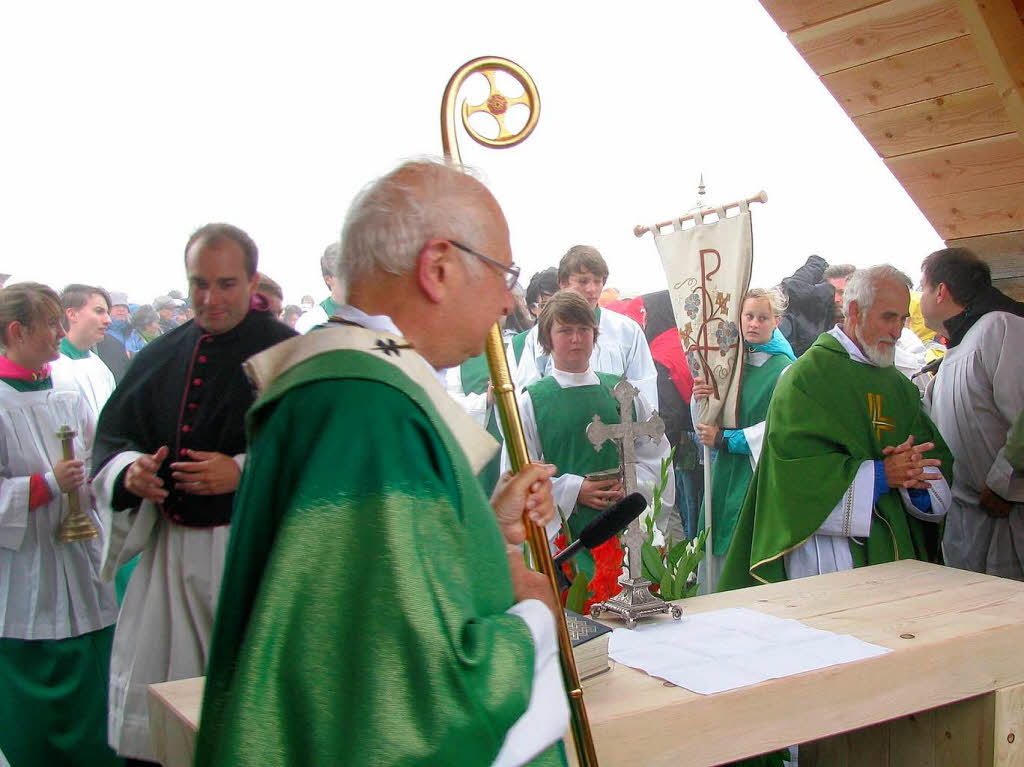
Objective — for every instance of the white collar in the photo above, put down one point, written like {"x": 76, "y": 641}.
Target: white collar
{"x": 382, "y": 324}
{"x": 851, "y": 348}
{"x": 757, "y": 358}
{"x": 568, "y": 380}
{"x": 379, "y": 322}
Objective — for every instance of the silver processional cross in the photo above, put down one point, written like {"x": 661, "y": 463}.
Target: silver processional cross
{"x": 635, "y": 600}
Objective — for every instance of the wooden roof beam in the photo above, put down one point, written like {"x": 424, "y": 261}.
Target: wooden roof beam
{"x": 996, "y": 28}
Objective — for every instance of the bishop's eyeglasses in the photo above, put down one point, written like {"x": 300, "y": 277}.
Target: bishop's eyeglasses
{"x": 511, "y": 272}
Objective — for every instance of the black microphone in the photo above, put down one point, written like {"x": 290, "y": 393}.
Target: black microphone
{"x": 609, "y": 522}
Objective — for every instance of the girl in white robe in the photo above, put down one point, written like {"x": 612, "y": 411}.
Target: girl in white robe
{"x": 56, "y": 616}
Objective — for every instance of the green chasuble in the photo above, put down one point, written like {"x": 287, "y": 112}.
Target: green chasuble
{"x": 730, "y": 476}
{"x": 562, "y": 419}
{"x": 475, "y": 375}
{"x": 828, "y": 415}
{"x": 362, "y": 615}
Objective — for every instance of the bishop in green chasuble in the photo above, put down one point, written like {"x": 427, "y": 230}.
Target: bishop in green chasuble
{"x": 831, "y": 418}
{"x": 365, "y": 615}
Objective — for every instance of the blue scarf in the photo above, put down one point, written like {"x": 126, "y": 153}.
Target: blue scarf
{"x": 776, "y": 345}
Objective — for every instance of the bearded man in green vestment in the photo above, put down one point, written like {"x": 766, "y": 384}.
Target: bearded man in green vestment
{"x": 373, "y": 611}
{"x": 852, "y": 471}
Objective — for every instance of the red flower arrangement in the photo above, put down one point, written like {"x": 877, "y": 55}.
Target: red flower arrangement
{"x": 607, "y": 569}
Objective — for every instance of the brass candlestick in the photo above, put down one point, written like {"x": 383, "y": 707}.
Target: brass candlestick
{"x": 76, "y": 526}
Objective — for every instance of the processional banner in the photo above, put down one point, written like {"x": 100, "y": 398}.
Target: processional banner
{"x": 708, "y": 271}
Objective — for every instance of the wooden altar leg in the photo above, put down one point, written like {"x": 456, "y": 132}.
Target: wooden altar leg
{"x": 1009, "y": 726}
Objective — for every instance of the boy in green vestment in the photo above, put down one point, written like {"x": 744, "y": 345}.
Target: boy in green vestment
{"x": 767, "y": 355}
{"x": 556, "y": 410}
{"x": 372, "y": 611}
{"x": 852, "y": 471}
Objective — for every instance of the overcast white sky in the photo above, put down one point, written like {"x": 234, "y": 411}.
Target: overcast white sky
{"x": 127, "y": 125}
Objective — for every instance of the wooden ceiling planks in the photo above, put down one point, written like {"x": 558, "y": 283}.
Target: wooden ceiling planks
{"x": 791, "y": 15}
{"x": 999, "y": 36}
{"x": 987, "y": 162}
{"x": 951, "y": 119}
{"x": 978, "y": 212}
{"x": 937, "y": 88}
{"x": 876, "y": 32}
{"x": 923, "y": 73}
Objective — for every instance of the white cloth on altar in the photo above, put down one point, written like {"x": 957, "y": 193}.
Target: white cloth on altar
{"x": 828, "y": 550}
{"x": 90, "y": 376}
{"x": 166, "y": 621}
{"x": 566, "y": 487}
{"x": 973, "y": 400}
{"x": 735, "y": 647}
{"x": 621, "y": 349}
{"x": 48, "y": 589}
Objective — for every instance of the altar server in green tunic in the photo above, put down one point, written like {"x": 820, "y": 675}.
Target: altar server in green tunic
{"x": 56, "y": 614}
{"x": 852, "y": 471}
{"x": 556, "y": 410}
{"x": 767, "y": 355}
{"x": 372, "y": 611}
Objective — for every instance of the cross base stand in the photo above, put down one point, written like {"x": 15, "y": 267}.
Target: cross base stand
{"x": 635, "y": 601}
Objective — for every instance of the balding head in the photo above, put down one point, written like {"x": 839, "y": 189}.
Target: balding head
{"x": 427, "y": 245}
{"x": 395, "y": 215}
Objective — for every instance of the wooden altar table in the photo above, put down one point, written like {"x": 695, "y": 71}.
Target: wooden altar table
{"x": 951, "y": 693}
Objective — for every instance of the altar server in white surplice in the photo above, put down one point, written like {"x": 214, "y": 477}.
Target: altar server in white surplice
{"x": 86, "y": 319}
{"x": 974, "y": 399}
{"x": 56, "y": 615}
{"x": 556, "y": 410}
{"x": 621, "y": 348}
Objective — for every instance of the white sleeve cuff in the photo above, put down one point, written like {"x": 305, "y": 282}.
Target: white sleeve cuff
{"x": 547, "y": 716}
{"x": 239, "y": 461}
{"x": 941, "y": 497}
{"x": 565, "y": 491}
{"x": 1004, "y": 481}
{"x": 51, "y": 483}
{"x": 755, "y": 441}
{"x": 851, "y": 517}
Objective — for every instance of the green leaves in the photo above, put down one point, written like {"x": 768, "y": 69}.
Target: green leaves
{"x": 650, "y": 558}
{"x": 675, "y": 568}
{"x": 578, "y": 593}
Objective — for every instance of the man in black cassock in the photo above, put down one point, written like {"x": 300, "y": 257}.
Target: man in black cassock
{"x": 169, "y": 450}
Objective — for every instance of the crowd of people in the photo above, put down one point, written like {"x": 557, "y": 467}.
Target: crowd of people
{"x": 258, "y": 472}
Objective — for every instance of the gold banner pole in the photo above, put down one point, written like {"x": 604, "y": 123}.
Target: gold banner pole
{"x": 496, "y": 104}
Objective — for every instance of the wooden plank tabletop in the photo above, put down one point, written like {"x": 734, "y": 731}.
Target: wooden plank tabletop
{"x": 955, "y": 635}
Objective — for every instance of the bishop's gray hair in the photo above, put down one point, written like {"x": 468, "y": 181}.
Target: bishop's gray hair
{"x": 863, "y": 284}
{"x": 393, "y": 216}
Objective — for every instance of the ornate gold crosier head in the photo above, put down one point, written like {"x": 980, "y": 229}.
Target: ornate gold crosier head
{"x": 496, "y": 105}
